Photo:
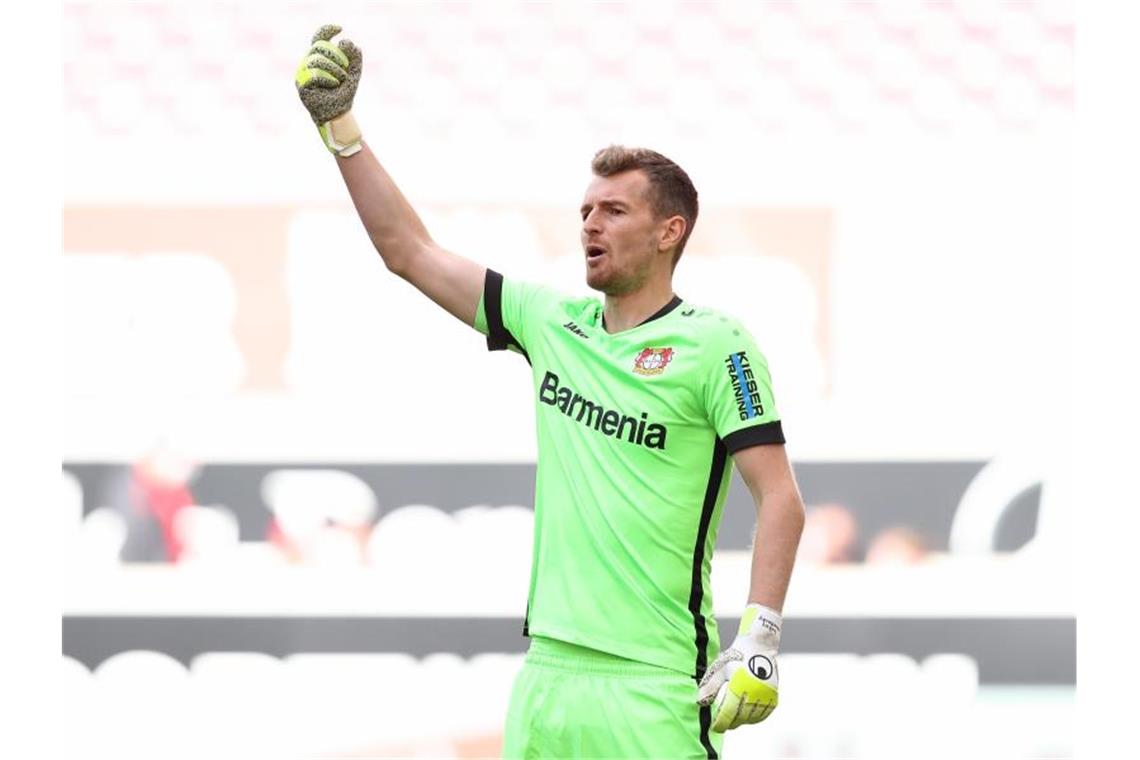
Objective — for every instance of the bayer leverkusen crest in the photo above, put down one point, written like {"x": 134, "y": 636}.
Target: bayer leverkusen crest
{"x": 652, "y": 361}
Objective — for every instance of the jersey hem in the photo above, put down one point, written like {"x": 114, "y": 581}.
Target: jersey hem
{"x": 618, "y": 649}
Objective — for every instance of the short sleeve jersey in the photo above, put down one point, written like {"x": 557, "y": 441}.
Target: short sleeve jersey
{"x": 634, "y": 435}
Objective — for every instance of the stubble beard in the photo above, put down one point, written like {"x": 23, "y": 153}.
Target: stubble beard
{"x": 621, "y": 282}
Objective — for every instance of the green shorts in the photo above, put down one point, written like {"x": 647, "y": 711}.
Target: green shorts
{"x": 573, "y": 702}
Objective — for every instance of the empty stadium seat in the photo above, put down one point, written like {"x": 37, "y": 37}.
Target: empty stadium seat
{"x": 995, "y": 489}
{"x": 807, "y": 689}
{"x": 469, "y": 517}
{"x": 142, "y": 705}
{"x": 497, "y": 577}
{"x": 240, "y": 696}
{"x": 947, "y": 693}
{"x": 207, "y": 533}
{"x": 418, "y": 541}
{"x": 491, "y": 676}
{"x": 888, "y": 686}
{"x": 440, "y": 681}
{"x": 323, "y": 514}
{"x": 373, "y": 697}
{"x": 334, "y": 547}
{"x": 127, "y": 669}
{"x": 79, "y": 697}
{"x": 305, "y": 499}
{"x": 101, "y": 538}
{"x": 951, "y": 676}
{"x": 72, "y": 498}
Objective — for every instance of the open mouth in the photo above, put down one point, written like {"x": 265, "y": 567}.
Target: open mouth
{"x": 594, "y": 251}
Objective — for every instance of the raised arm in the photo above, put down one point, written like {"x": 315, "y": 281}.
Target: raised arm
{"x": 326, "y": 82}
{"x": 453, "y": 282}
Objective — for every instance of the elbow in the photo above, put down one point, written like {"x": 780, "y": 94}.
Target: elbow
{"x": 401, "y": 256}
{"x": 798, "y": 515}
{"x": 798, "y": 508}
{"x": 791, "y": 507}
{"x": 395, "y": 265}
{"x": 394, "y": 259}
{"x": 791, "y": 519}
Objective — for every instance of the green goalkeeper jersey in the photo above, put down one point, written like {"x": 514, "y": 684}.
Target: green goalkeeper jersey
{"x": 634, "y": 435}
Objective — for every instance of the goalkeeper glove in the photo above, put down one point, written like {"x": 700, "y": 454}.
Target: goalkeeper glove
{"x": 326, "y": 81}
{"x": 742, "y": 685}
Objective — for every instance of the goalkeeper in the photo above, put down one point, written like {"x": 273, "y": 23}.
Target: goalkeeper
{"x": 644, "y": 403}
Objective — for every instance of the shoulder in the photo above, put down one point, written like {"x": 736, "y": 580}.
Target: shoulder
{"x": 578, "y": 303}
{"x": 713, "y": 327}
{"x": 546, "y": 295}
{"x": 574, "y": 306}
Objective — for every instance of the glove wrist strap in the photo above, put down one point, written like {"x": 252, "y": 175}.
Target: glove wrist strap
{"x": 762, "y": 622}
{"x": 342, "y": 134}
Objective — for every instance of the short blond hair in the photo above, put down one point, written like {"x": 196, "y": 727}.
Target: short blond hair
{"x": 671, "y": 192}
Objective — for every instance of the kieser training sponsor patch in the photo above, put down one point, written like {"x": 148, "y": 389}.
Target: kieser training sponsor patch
{"x": 744, "y": 388}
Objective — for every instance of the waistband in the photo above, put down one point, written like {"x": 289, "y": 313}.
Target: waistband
{"x": 565, "y": 657}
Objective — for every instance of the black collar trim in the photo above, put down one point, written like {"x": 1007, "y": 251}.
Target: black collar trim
{"x": 673, "y": 304}
{"x": 664, "y": 310}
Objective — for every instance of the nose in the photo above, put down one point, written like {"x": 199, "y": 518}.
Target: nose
{"x": 591, "y": 223}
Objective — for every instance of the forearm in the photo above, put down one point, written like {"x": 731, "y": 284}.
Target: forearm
{"x": 742, "y": 684}
{"x": 392, "y": 224}
{"x": 779, "y": 523}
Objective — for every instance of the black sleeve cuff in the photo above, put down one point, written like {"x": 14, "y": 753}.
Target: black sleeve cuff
{"x": 757, "y": 435}
{"x": 498, "y": 336}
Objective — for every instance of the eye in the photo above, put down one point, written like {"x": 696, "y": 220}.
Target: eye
{"x": 617, "y": 211}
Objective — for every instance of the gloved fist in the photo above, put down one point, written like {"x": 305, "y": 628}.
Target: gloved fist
{"x": 326, "y": 81}
{"x": 742, "y": 685}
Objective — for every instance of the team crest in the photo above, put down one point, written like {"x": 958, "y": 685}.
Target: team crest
{"x": 652, "y": 361}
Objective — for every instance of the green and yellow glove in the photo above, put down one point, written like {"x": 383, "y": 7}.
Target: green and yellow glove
{"x": 326, "y": 81}
{"x": 743, "y": 684}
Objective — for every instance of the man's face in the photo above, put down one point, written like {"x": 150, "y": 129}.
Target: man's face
{"x": 619, "y": 232}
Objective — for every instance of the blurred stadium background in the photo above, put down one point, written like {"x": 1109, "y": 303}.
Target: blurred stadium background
{"x": 299, "y": 495}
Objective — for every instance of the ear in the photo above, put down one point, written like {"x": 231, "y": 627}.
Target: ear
{"x": 672, "y": 231}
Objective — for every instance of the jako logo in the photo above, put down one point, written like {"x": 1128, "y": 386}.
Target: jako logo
{"x": 744, "y": 386}
{"x": 605, "y": 421}
{"x": 576, "y": 330}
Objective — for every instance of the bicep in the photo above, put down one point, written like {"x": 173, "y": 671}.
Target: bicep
{"x": 452, "y": 281}
{"x": 766, "y": 470}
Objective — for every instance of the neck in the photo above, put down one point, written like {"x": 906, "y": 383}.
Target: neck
{"x": 631, "y": 309}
